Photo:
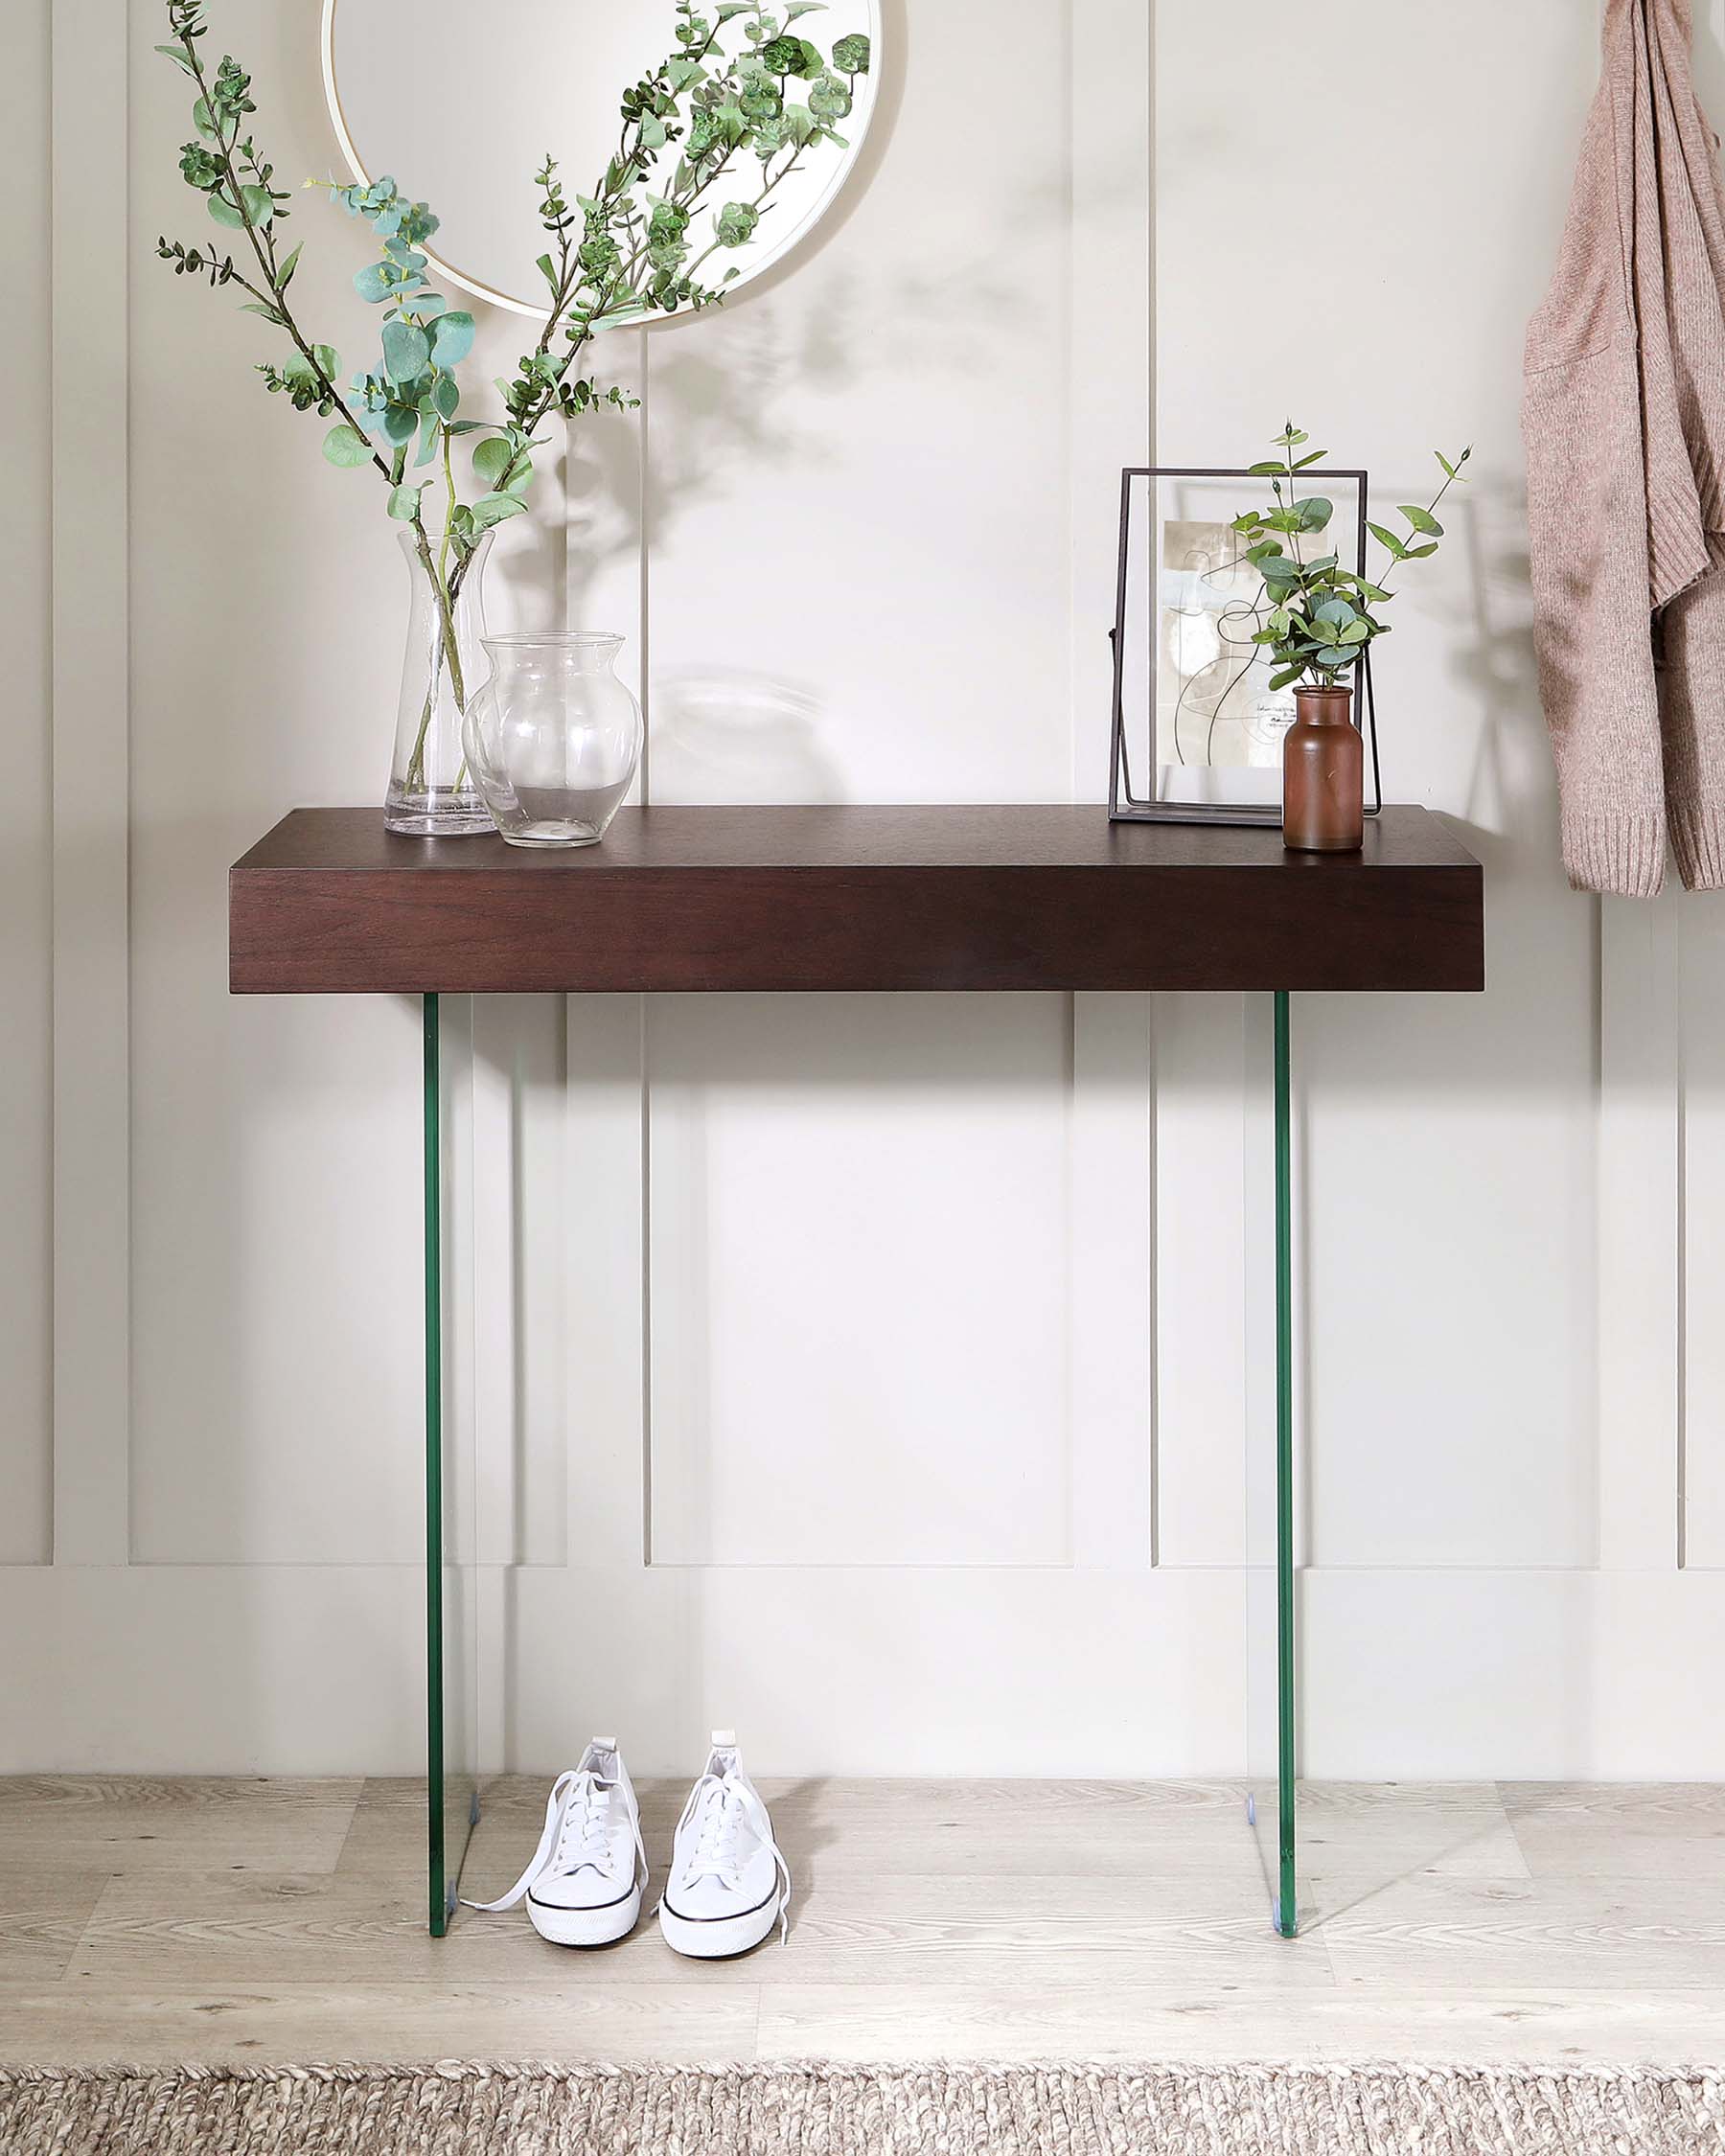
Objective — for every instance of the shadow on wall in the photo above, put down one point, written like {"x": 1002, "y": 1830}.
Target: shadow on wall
{"x": 1510, "y": 812}
{"x": 743, "y": 736}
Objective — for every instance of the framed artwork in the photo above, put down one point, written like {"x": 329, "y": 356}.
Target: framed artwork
{"x": 1197, "y": 727}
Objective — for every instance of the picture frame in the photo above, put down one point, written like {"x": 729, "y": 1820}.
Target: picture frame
{"x": 1192, "y": 711}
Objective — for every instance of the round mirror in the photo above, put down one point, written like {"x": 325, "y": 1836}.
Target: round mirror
{"x": 461, "y": 105}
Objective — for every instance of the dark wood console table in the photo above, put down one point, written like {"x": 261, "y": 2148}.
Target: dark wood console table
{"x": 800, "y": 899}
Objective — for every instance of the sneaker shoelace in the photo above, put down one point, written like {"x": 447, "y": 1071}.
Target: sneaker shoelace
{"x": 721, "y": 1807}
{"x": 576, "y": 1834}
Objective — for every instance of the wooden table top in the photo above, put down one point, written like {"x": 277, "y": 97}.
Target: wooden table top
{"x": 805, "y": 899}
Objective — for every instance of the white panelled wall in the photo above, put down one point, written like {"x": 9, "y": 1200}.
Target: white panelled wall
{"x": 887, "y": 1377}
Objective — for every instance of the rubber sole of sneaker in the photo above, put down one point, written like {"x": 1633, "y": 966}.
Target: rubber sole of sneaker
{"x": 586, "y": 1926}
{"x": 718, "y": 1937}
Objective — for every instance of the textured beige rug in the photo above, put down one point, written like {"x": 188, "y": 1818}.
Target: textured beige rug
{"x": 847, "y": 2111}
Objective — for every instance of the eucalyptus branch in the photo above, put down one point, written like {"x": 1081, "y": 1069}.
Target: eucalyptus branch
{"x": 221, "y": 107}
{"x": 628, "y": 264}
{"x": 620, "y": 253}
{"x": 1321, "y": 620}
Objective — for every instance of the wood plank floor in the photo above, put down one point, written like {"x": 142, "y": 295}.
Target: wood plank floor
{"x": 160, "y": 1921}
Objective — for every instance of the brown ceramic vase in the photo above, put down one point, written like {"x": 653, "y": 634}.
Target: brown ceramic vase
{"x": 1323, "y": 775}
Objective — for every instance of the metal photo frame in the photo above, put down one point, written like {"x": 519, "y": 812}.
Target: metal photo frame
{"x": 1124, "y": 804}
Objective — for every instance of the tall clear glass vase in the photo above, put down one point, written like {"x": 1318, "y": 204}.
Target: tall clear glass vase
{"x": 431, "y": 790}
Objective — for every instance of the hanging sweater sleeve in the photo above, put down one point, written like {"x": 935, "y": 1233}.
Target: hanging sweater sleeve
{"x": 1588, "y": 512}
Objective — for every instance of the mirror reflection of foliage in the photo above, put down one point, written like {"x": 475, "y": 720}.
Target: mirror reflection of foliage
{"x": 1322, "y": 616}
{"x": 622, "y": 253}
{"x": 626, "y": 251}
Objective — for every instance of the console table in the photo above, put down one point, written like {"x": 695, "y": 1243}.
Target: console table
{"x": 799, "y": 900}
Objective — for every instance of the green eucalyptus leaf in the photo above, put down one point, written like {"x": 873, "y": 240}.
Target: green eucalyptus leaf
{"x": 452, "y": 338}
{"x": 735, "y": 224}
{"x": 492, "y": 509}
{"x": 445, "y": 396}
{"x": 850, "y": 55}
{"x": 1313, "y": 513}
{"x": 1422, "y": 519}
{"x": 1385, "y": 536}
{"x": 224, "y": 212}
{"x": 403, "y": 503}
{"x": 260, "y": 204}
{"x": 401, "y": 423}
{"x": 1287, "y": 675}
{"x": 406, "y": 351}
{"x": 345, "y": 446}
{"x": 1419, "y": 553}
{"x": 179, "y": 59}
{"x": 492, "y": 459}
{"x": 427, "y": 440}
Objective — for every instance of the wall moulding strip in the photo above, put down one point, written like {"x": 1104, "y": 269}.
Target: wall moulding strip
{"x": 90, "y": 788}
{"x": 1640, "y": 1291}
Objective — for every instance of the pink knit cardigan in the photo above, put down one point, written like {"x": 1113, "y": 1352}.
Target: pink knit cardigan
{"x": 1623, "y": 416}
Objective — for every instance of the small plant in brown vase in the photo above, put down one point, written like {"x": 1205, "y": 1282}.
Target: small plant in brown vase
{"x": 1322, "y": 620}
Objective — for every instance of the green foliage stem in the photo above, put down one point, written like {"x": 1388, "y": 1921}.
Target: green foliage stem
{"x": 620, "y": 253}
{"x": 1322, "y": 618}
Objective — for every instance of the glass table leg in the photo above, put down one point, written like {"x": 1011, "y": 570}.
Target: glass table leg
{"x": 1286, "y": 1911}
{"x": 452, "y": 1789}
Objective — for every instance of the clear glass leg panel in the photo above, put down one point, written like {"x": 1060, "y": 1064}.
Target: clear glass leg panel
{"x": 1270, "y": 1601}
{"x": 452, "y": 1661}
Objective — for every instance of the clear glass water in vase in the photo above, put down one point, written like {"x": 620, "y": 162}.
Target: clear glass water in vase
{"x": 431, "y": 792}
{"x": 554, "y": 736}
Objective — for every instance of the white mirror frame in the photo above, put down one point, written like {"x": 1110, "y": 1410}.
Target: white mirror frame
{"x": 791, "y": 237}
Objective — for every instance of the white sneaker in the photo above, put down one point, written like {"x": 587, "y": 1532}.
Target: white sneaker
{"x": 584, "y": 1884}
{"x": 728, "y": 1884}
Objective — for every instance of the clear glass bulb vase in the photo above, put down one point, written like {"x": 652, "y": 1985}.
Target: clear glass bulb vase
{"x": 553, "y": 737}
{"x": 431, "y": 789}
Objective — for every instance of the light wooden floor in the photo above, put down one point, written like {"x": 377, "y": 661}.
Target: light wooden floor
{"x": 207, "y": 1920}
